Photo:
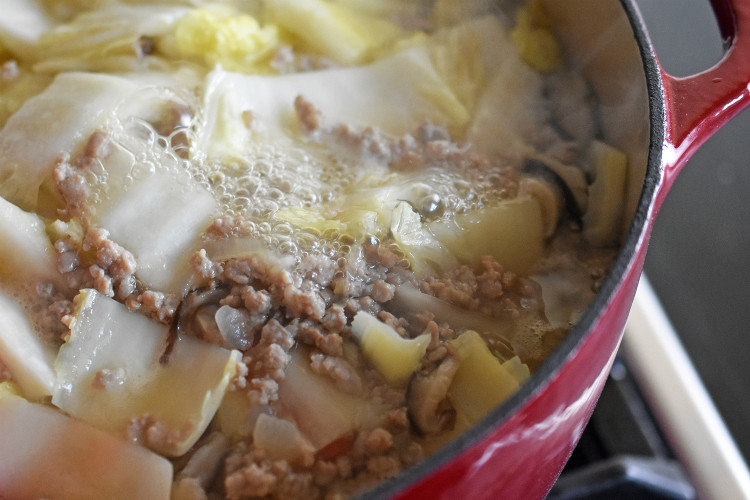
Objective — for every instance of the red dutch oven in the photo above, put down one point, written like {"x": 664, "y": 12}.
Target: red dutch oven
{"x": 518, "y": 451}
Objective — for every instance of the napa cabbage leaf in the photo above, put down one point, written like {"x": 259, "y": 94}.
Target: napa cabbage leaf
{"x": 22, "y": 352}
{"x": 395, "y": 94}
{"x": 46, "y": 454}
{"x": 113, "y": 370}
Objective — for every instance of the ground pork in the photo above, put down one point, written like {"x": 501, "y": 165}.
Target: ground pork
{"x": 308, "y": 333}
{"x": 344, "y": 375}
{"x": 263, "y": 390}
{"x": 205, "y": 267}
{"x": 458, "y": 287}
{"x": 317, "y": 268}
{"x": 274, "y": 333}
{"x": 427, "y": 146}
{"x": 301, "y": 303}
{"x": 268, "y": 361}
{"x": 71, "y": 174}
{"x": 228, "y": 226}
{"x": 50, "y": 312}
{"x": 157, "y": 305}
{"x": 155, "y": 435}
{"x": 114, "y": 264}
{"x": 334, "y": 319}
{"x": 382, "y": 291}
{"x": 108, "y": 378}
{"x": 250, "y": 473}
{"x": 72, "y": 186}
{"x": 256, "y": 301}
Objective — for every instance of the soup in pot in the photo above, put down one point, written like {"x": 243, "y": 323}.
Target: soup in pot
{"x": 282, "y": 248}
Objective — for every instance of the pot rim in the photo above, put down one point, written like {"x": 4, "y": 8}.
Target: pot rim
{"x": 639, "y": 228}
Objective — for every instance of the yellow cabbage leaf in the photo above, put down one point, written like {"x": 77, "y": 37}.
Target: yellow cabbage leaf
{"x": 482, "y": 381}
{"x": 218, "y": 34}
{"x": 535, "y": 39}
{"x": 606, "y": 195}
{"x": 116, "y": 38}
{"x": 512, "y": 232}
{"x": 396, "y": 358}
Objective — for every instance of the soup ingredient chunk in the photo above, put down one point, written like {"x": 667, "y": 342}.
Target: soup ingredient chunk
{"x": 121, "y": 372}
{"x": 46, "y": 454}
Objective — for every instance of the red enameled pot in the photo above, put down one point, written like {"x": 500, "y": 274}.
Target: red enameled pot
{"x": 518, "y": 451}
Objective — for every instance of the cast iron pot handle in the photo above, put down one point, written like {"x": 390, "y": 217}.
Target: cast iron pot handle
{"x": 698, "y": 105}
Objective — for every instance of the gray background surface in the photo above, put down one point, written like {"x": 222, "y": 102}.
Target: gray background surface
{"x": 699, "y": 257}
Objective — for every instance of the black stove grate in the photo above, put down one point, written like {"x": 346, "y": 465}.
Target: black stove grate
{"x": 622, "y": 453}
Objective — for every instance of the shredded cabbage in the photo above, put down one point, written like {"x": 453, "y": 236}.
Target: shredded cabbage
{"x": 218, "y": 34}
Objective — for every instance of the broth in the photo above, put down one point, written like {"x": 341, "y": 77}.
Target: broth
{"x": 292, "y": 246}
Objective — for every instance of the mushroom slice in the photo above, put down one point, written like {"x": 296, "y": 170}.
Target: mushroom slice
{"x": 430, "y": 409}
{"x": 549, "y": 200}
{"x": 559, "y": 178}
{"x": 204, "y": 464}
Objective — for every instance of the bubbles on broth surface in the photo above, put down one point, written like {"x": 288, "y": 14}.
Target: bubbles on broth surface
{"x": 268, "y": 177}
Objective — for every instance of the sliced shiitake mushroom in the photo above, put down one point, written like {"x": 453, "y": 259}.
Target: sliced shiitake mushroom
{"x": 555, "y": 196}
{"x": 202, "y": 465}
{"x": 190, "y": 317}
{"x": 195, "y": 312}
{"x": 428, "y": 403}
